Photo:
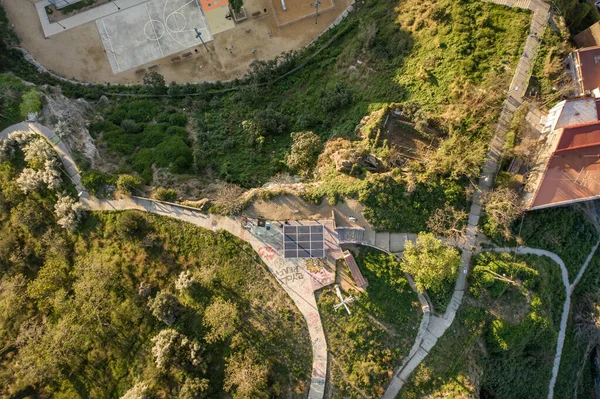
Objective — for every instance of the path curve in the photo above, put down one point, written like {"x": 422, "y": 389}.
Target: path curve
{"x": 300, "y": 288}
{"x": 567, "y": 304}
{"x": 55, "y": 141}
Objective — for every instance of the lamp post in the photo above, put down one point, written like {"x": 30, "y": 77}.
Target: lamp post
{"x": 116, "y": 5}
{"x": 317, "y": 11}
{"x": 199, "y": 36}
{"x": 49, "y": 20}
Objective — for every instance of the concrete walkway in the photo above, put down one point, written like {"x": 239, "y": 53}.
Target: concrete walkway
{"x": 438, "y": 325}
{"x": 290, "y": 273}
{"x": 566, "y": 306}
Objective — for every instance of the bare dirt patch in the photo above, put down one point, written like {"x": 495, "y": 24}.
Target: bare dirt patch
{"x": 407, "y": 140}
{"x": 290, "y": 207}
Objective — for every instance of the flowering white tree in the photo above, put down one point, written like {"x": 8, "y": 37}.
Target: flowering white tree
{"x": 171, "y": 347}
{"x": 68, "y": 212}
{"x": 138, "y": 391}
{"x": 29, "y": 180}
{"x": 62, "y": 128}
{"x": 8, "y": 145}
{"x": 19, "y": 137}
{"x": 164, "y": 347}
{"x": 51, "y": 174}
{"x": 37, "y": 152}
{"x": 184, "y": 281}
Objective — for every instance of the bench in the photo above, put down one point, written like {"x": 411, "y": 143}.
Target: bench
{"x": 140, "y": 71}
{"x": 176, "y": 59}
{"x": 153, "y": 67}
{"x": 187, "y": 55}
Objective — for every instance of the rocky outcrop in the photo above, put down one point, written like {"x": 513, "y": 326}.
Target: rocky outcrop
{"x": 69, "y": 119}
{"x": 346, "y": 159}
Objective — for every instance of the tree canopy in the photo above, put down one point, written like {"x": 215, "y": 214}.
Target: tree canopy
{"x": 430, "y": 262}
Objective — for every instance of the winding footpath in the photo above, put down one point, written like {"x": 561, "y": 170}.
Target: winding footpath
{"x": 566, "y": 306}
{"x": 439, "y": 324}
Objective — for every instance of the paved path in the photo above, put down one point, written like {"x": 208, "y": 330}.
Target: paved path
{"x": 566, "y": 306}
{"x": 290, "y": 273}
{"x": 59, "y": 146}
{"x": 438, "y": 325}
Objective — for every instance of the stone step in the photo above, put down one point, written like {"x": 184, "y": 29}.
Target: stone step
{"x": 397, "y": 241}
{"x": 369, "y": 237}
{"x": 382, "y": 240}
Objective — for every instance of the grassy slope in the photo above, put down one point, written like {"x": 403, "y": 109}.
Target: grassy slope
{"x": 377, "y": 59}
{"x": 11, "y": 90}
{"x": 574, "y": 349}
{"x": 499, "y": 345}
{"x": 363, "y": 353}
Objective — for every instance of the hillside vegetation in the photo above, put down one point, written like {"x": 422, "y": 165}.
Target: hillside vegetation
{"x": 137, "y": 304}
{"x": 449, "y": 60}
{"x": 502, "y": 343}
{"x": 366, "y": 346}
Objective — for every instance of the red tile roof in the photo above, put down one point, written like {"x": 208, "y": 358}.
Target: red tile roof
{"x": 589, "y": 67}
{"x": 573, "y": 171}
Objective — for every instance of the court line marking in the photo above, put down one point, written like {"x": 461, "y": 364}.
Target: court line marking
{"x": 112, "y": 49}
{"x": 202, "y": 21}
{"x": 155, "y": 34}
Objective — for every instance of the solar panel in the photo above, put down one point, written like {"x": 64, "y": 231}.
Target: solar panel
{"x": 303, "y": 241}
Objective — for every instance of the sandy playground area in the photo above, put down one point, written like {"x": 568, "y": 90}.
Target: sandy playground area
{"x": 79, "y": 53}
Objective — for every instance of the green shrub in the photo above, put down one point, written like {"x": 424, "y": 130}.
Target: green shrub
{"x": 178, "y": 119}
{"x": 388, "y": 207}
{"x": 129, "y": 184}
{"x": 98, "y": 183}
{"x": 164, "y": 194}
{"x": 177, "y": 130}
{"x": 31, "y": 103}
{"x": 129, "y": 224}
{"x": 130, "y": 126}
{"x": 173, "y": 153}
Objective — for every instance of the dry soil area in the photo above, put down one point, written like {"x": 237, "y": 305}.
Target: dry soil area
{"x": 290, "y": 207}
{"x": 79, "y": 54}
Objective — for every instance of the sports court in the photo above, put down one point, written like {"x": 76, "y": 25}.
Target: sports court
{"x": 152, "y": 30}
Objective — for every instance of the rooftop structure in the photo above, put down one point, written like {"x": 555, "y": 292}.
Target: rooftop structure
{"x": 587, "y": 70}
{"x": 589, "y": 37}
{"x": 303, "y": 241}
{"x": 568, "y": 164}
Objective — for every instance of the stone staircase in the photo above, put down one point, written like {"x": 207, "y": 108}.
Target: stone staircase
{"x": 388, "y": 242}
{"x": 513, "y": 3}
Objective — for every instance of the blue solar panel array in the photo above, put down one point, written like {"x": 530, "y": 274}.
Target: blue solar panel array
{"x": 303, "y": 241}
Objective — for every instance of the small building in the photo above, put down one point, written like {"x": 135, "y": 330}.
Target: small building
{"x": 568, "y": 163}
{"x": 589, "y": 37}
{"x": 586, "y": 63}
